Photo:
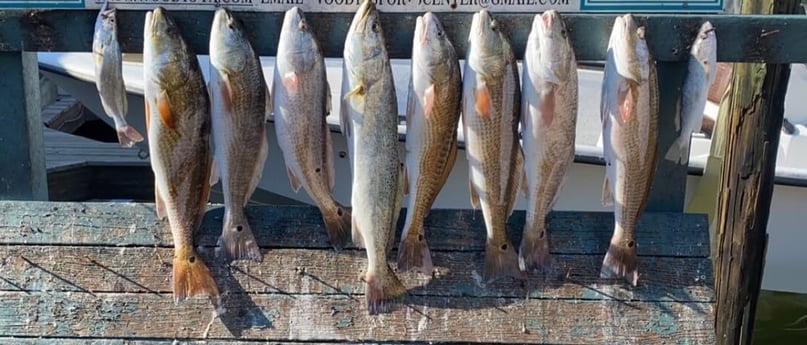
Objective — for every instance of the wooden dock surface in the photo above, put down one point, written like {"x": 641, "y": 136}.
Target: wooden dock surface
{"x": 77, "y": 273}
{"x": 65, "y": 151}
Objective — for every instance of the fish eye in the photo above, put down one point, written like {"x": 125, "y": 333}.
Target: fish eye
{"x": 376, "y": 27}
{"x": 302, "y": 25}
{"x": 563, "y": 32}
{"x": 439, "y": 33}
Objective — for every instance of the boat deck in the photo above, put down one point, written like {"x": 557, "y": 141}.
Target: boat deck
{"x": 66, "y": 151}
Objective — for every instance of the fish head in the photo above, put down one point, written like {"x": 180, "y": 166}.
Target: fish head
{"x": 705, "y": 47}
{"x": 365, "y": 45}
{"x": 630, "y": 50}
{"x": 487, "y": 44}
{"x": 554, "y": 47}
{"x": 431, "y": 45}
{"x": 165, "y": 49}
{"x": 297, "y": 41}
{"x": 229, "y": 45}
{"x": 106, "y": 28}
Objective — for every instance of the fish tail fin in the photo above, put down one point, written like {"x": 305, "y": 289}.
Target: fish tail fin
{"x": 414, "y": 253}
{"x": 127, "y": 135}
{"x": 237, "y": 239}
{"x": 621, "y": 262}
{"x": 679, "y": 151}
{"x": 534, "y": 250}
{"x": 191, "y": 277}
{"x": 338, "y": 223}
{"x": 501, "y": 261}
{"x": 381, "y": 290}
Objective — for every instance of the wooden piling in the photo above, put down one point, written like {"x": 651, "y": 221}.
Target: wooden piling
{"x": 756, "y": 108}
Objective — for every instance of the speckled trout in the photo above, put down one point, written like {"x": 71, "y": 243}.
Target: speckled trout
{"x": 369, "y": 119}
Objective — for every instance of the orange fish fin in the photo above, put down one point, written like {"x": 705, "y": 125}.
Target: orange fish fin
{"x": 428, "y": 100}
{"x": 164, "y": 109}
{"x": 482, "y": 96}
{"x": 295, "y": 183}
{"x": 191, "y": 277}
{"x": 291, "y": 81}
{"x": 627, "y": 102}
{"x": 548, "y": 106}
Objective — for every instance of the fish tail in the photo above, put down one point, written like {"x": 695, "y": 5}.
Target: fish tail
{"x": 501, "y": 261}
{"x": 534, "y": 250}
{"x": 127, "y": 135}
{"x": 413, "y": 253}
{"x": 338, "y": 223}
{"x": 381, "y": 290}
{"x": 679, "y": 151}
{"x": 237, "y": 239}
{"x": 621, "y": 261}
{"x": 191, "y": 277}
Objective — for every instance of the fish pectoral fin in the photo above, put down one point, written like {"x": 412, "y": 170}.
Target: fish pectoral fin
{"x": 626, "y": 101}
{"x": 428, "y": 100}
{"x": 355, "y": 92}
{"x": 291, "y": 81}
{"x": 295, "y": 183}
{"x": 607, "y": 194}
{"x": 164, "y": 110}
{"x": 482, "y": 97}
{"x": 474, "y": 195}
{"x": 548, "y": 106}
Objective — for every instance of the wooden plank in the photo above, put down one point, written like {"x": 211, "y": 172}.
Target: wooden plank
{"x": 294, "y": 271}
{"x": 742, "y": 38}
{"x": 135, "y": 224}
{"x": 22, "y": 172}
{"x": 105, "y": 341}
{"x": 276, "y": 317}
{"x": 756, "y": 108}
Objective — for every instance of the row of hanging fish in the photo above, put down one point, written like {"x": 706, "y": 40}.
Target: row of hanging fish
{"x": 183, "y": 115}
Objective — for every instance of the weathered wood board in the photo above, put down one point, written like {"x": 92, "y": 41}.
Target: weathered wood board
{"x": 99, "y": 273}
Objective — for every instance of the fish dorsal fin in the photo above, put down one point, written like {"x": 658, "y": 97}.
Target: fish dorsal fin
{"x": 164, "y": 110}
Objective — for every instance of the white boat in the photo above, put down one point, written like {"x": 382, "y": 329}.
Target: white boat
{"x": 785, "y": 269}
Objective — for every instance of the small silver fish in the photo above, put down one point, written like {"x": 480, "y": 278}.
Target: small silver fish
{"x": 701, "y": 74}
{"x": 109, "y": 74}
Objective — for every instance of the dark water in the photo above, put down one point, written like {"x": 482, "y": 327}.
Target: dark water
{"x": 781, "y": 318}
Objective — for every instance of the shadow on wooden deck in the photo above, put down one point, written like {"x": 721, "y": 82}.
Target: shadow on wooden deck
{"x": 76, "y": 272}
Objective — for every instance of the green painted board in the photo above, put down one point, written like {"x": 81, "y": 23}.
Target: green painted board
{"x": 135, "y": 224}
{"x": 740, "y": 38}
